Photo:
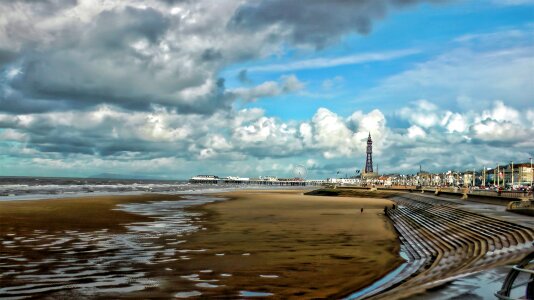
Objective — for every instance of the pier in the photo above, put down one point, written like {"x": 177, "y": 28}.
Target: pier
{"x": 279, "y": 182}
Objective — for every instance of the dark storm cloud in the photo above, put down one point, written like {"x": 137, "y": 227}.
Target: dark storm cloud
{"x": 115, "y": 30}
{"x": 140, "y": 57}
{"x": 211, "y": 54}
{"x": 18, "y": 103}
{"x": 78, "y": 68}
{"x": 54, "y": 138}
{"x": 119, "y": 58}
{"x": 316, "y": 22}
{"x": 6, "y": 56}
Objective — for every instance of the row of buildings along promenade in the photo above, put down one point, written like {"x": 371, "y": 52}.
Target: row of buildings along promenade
{"x": 505, "y": 176}
{"x": 520, "y": 176}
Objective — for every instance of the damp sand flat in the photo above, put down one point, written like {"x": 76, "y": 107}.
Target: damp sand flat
{"x": 97, "y": 247}
{"x": 292, "y": 245}
{"x": 260, "y": 243}
{"x": 84, "y": 213}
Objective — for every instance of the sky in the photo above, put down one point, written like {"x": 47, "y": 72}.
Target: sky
{"x": 173, "y": 88}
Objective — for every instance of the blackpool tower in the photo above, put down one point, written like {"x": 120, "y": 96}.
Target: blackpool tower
{"x": 369, "y": 161}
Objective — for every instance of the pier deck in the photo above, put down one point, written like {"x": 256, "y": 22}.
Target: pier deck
{"x": 260, "y": 182}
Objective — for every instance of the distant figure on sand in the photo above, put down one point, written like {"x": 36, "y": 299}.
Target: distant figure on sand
{"x": 361, "y": 211}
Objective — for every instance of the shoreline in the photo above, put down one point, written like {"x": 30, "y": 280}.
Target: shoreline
{"x": 215, "y": 190}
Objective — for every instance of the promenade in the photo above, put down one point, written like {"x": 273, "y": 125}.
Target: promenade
{"x": 445, "y": 239}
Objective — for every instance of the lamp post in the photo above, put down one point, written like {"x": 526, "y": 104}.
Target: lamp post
{"x": 512, "y": 163}
{"x": 531, "y": 174}
{"x": 495, "y": 176}
{"x": 498, "y": 177}
{"x": 484, "y": 176}
{"x": 466, "y": 176}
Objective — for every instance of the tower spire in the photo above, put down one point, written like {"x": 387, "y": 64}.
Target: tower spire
{"x": 369, "y": 160}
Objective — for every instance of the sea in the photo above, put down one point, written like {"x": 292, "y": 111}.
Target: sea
{"x": 30, "y": 188}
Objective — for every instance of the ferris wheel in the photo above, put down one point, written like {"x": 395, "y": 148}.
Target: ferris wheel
{"x": 300, "y": 172}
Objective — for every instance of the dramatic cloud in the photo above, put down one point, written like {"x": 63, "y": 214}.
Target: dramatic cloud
{"x": 498, "y": 133}
{"x": 133, "y": 56}
{"x": 315, "y": 22}
{"x": 115, "y": 135}
{"x": 62, "y": 55}
{"x": 109, "y": 132}
{"x": 98, "y": 86}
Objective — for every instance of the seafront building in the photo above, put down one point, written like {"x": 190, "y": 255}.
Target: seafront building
{"x": 520, "y": 174}
{"x": 520, "y": 177}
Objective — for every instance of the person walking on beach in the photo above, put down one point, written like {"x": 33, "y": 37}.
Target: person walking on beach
{"x": 361, "y": 211}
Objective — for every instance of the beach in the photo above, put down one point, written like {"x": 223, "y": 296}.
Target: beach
{"x": 277, "y": 243}
{"x": 308, "y": 246}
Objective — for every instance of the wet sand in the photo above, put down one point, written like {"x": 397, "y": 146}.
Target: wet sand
{"x": 83, "y": 213}
{"x": 356, "y": 192}
{"x": 293, "y": 245}
{"x": 258, "y": 243}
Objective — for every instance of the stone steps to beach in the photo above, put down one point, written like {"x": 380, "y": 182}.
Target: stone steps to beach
{"x": 443, "y": 242}
{"x": 490, "y": 224}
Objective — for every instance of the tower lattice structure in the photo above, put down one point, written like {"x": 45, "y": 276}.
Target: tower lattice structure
{"x": 369, "y": 160}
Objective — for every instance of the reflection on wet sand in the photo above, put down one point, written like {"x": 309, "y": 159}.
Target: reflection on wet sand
{"x": 98, "y": 262}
